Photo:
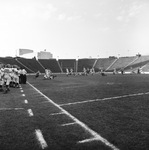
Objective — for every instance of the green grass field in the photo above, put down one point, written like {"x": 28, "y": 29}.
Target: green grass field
{"x": 77, "y": 113}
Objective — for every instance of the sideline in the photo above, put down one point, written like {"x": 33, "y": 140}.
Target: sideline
{"x": 94, "y": 134}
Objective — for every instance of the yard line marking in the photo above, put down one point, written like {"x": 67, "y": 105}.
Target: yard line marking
{"x": 109, "y": 98}
{"x": 84, "y": 126}
{"x": 45, "y": 101}
{"x": 111, "y": 83}
{"x": 30, "y": 112}
{"x": 26, "y": 101}
{"x": 88, "y": 140}
{"x": 18, "y": 108}
{"x": 22, "y": 91}
{"x": 40, "y": 138}
{"x": 11, "y": 109}
{"x": 23, "y": 94}
{"x": 68, "y": 124}
{"x": 53, "y": 114}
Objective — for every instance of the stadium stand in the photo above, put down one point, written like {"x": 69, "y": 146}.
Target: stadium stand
{"x": 122, "y": 62}
{"x": 11, "y": 61}
{"x": 104, "y": 63}
{"x": 31, "y": 64}
{"x": 67, "y": 63}
{"x": 130, "y": 64}
{"x": 145, "y": 68}
{"x": 140, "y": 62}
{"x": 87, "y": 63}
{"x": 51, "y": 64}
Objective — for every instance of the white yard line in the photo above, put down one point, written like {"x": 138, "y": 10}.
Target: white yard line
{"x": 88, "y": 140}
{"x": 54, "y": 114}
{"x": 68, "y": 124}
{"x": 11, "y": 109}
{"x": 40, "y": 138}
{"x": 109, "y": 98}
{"x": 84, "y": 126}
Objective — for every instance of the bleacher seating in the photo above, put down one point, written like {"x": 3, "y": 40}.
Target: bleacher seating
{"x": 31, "y": 65}
{"x": 122, "y": 62}
{"x": 87, "y": 63}
{"x": 145, "y": 68}
{"x": 11, "y": 61}
{"x": 141, "y": 61}
{"x": 51, "y": 64}
{"x": 67, "y": 63}
{"x": 103, "y": 63}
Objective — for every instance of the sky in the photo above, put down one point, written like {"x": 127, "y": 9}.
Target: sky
{"x": 75, "y": 28}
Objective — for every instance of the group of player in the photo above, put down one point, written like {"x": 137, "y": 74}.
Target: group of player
{"x": 69, "y": 72}
{"x": 11, "y": 76}
{"x": 85, "y": 72}
{"x": 47, "y": 75}
{"x": 102, "y": 71}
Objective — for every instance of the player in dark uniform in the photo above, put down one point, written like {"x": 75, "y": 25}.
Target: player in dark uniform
{"x": 37, "y": 74}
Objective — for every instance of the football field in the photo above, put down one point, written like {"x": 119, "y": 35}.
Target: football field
{"x": 77, "y": 113}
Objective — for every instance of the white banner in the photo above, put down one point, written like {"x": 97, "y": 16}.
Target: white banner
{"x": 25, "y": 51}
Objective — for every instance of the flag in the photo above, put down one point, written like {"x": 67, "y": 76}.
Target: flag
{"x": 25, "y": 51}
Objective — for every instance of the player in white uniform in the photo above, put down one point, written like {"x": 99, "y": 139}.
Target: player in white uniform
{"x": 114, "y": 71}
{"x": 15, "y": 77}
{"x": 7, "y": 77}
{"x": 1, "y": 77}
{"x": 48, "y": 74}
{"x": 71, "y": 72}
{"x": 67, "y": 72}
{"x": 84, "y": 71}
{"x": 92, "y": 71}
